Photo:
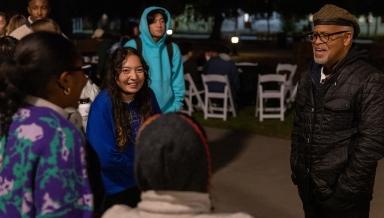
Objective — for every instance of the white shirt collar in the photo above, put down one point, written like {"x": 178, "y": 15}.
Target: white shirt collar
{"x": 30, "y": 20}
{"x": 323, "y": 76}
{"x": 175, "y": 202}
{"x": 40, "y": 102}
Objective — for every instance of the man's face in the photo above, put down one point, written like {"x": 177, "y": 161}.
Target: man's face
{"x": 330, "y": 43}
{"x": 157, "y": 28}
{"x": 38, "y": 9}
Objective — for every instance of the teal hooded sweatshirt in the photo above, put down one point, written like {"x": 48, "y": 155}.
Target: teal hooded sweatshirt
{"x": 167, "y": 84}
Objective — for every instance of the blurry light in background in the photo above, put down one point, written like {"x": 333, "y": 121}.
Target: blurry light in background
{"x": 310, "y": 17}
{"x": 246, "y": 17}
{"x": 370, "y": 17}
{"x": 169, "y": 32}
{"x": 361, "y": 19}
{"x": 235, "y": 39}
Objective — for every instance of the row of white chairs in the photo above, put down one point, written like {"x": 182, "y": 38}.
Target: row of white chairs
{"x": 284, "y": 92}
{"x": 209, "y": 108}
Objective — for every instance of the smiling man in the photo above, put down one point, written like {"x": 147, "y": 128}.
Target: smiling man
{"x": 338, "y": 132}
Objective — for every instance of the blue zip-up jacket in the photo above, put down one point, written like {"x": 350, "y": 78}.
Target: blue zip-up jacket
{"x": 116, "y": 167}
{"x": 167, "y": 83}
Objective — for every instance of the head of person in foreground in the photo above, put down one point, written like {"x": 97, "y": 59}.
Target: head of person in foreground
{"x": 172, "y": 154}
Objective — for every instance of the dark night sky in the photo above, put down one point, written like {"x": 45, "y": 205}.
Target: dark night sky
{"x": 63, "y": 10}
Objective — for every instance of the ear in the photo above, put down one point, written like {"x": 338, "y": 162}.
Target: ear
{"x": 64, "y": 80}
{"x": 348, "y": 39}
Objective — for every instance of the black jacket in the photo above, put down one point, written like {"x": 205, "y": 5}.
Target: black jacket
{"x": 338, "y": 133}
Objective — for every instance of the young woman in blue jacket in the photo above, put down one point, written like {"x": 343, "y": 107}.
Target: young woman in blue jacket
{"x": 114, "y": 119}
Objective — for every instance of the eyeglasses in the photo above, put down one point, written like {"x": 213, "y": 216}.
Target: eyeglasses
{"x": 85, "y": 68}
{"x": 324, "y": 37}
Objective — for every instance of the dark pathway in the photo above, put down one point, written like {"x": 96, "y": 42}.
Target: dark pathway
{"x": 252, "y": 174}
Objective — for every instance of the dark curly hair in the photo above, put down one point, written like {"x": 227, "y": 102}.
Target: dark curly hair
{"x": 121, "y": 116}
{"x": 38, "y": 58}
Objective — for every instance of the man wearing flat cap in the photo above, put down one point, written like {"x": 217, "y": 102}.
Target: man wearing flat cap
{"x": 338, "y": 130}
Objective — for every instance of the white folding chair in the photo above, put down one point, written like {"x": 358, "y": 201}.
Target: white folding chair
{"x": 272, "y": 92}
{"x": 290, "y": 71}
{"x": 218, "y": 111}
{"x": 190, "y": 93}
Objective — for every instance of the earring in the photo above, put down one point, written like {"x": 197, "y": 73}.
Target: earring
{"x": 67, "y": 91}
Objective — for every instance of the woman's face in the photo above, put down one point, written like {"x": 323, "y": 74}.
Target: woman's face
{"x": 131, "y": 77}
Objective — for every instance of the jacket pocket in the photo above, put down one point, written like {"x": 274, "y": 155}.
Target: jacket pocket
{"x": 338, "y": 115}
{"x": 337, "y": 105}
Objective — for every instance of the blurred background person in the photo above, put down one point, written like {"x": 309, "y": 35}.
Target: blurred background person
{"x": 37, "y": 9}
{"x": 114, "y": 119}
{"x": 7, "y": 47}
{"x": 17, "y": 26}
{"x": 43, "y": 172}
{"x": 190, "y": 64}
{"x": 219, "y": 62}
{"x": 3, "y": 23}
{"x": 173, "y": 169}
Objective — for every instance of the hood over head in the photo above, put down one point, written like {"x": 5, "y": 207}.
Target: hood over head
{"x": 144, "y": 28}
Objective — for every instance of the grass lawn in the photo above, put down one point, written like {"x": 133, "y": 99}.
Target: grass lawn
{"x": 246, "y": 121}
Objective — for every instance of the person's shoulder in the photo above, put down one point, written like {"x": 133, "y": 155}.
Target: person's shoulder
{"x": 131, "y": 42}
{"x": 224, "y": 215}
{"x": 42, "y": 119}
{"x": 119, "y": 211}
{"x": 37, "y": 113}
{"x": 102, "y": 102}
{"x": 21, "y": 31}
{"x": 174, "y": 44}
{"x": 362, "y": 70}
{"x": 102, "y": 97}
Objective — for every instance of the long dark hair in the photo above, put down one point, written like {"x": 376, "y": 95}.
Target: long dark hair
{"x": 37, "y": 59}
{"x": 121, "y": 116}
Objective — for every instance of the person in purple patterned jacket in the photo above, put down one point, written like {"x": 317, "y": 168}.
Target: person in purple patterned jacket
{"x": 42, "y": 155}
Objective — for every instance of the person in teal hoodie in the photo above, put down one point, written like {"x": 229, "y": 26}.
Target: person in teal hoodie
{"x": 167, "y": 77}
